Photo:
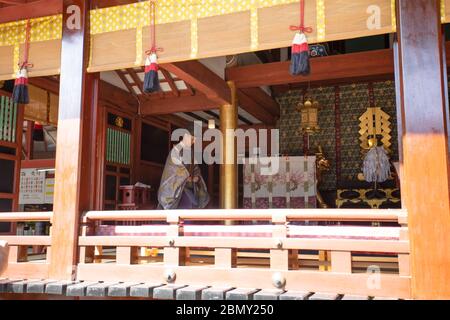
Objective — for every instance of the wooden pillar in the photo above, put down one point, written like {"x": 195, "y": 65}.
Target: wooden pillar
{"x": 228, "y": 169}
{"x": 29, "y": 142}
{"x": 425, "y": 163}
{"x": 73, "y": 162}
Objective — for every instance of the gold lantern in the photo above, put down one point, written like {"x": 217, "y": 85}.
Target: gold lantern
{"x": 309, "y": 111}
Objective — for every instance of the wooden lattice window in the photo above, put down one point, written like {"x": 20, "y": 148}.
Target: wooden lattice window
{"x": 8, "y": 119}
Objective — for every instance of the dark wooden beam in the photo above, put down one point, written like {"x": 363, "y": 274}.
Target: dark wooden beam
{"x": 346, "y": 66}
{"x": 425, "y": 166}
{"x": 108, "y": 93}
{"x": 202, "y": 79}
{"x": 38, "y": 163}
{"x": 254, "y": 108}
{"x": 30, "y": 10}
{"x": 173, "y": 119}
{"x": 45, "y": 83}
{"x": 117, "y": 97}
{"x": 198, "y": 102}
{"x": 264, "y": 100}
{"x": 215, "y": 88}
{"x": 122, "y": 77}
{"x": 172, "y": 84}
{"x": 29, "y": 142}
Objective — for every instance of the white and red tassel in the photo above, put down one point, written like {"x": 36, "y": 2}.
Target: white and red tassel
{"x": 300, "y": 55}
{"x": 151, "y": 79}
{"x": 300, "y": 48}
{"x": 20, "y": 92}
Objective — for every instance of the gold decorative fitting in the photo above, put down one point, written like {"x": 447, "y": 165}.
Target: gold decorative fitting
{"x": 374, "y": 123}
{"x": 119, "y": 122}
{"x": 309, "y": 120}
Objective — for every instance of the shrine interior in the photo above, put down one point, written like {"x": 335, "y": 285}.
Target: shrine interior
{"x": 134, "y": 129}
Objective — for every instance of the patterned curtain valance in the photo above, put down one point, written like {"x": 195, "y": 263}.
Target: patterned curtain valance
{"x": 45, "y": 46}
{"x": 191, "y": 29}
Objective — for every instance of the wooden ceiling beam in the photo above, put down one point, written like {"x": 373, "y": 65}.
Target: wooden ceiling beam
{"x": 171, "y": 82}
{"x": 337, "y": 67}
{"x": 215, "y": 88}
{"x": 173, "y": 119}
{"x": 264, "y": 100}
{"x": 201, "y": 78}
{"x": 122, "y": 77}
{"x": 252, "y": 107}
{"x": 45, "y": 83}
{"x": 198, "y": 102}
{"x": 30, "y": 10}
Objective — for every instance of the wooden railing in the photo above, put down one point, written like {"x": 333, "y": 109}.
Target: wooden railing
{"x": 214, "y": 259}
{"x": 20, "y": 266}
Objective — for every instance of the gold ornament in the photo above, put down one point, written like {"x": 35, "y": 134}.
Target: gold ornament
{"x": 119, "y": 122}
{"x": 375, "y": 123}
{"x": 309, "y": 111}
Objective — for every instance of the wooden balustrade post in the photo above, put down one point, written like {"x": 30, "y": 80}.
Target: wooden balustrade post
{"x": 422, "y": 108}
{"x": 404, "y": 265}
{"x": 225, "y": 258}
{"x": 173, "y": 255}
{"x": 86, "y": 254}
{"x": 279, "y": 257}
{"x": 77, "y": 102}
{"x": 341, "y": 261}
{"x": 17, "y": 254}
{"x": 126, "y": 255}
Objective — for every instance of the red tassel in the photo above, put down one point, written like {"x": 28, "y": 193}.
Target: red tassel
{"x": 300, "y": 48}
{"x": 151, "y": 79}
{"x": 20, "y": 92}
{"x": 300, "y": 55}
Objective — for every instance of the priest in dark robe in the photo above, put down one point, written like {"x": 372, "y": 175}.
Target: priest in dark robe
{"x": 182, "y": 186}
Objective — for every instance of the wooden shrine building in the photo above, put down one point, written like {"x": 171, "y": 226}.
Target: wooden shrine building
{"x": 90, "y": 140}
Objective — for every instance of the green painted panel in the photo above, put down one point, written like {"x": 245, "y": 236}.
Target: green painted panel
{"x": 118, "y": 146}
{"x": 2, "y": 110}
{"x": 8, "y": 119}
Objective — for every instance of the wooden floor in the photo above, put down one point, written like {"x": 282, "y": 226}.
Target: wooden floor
{"x": 158, "y": 291}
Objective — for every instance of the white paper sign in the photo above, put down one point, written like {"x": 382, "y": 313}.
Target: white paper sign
{"x": 49, "y": 186}
{"x": 32, "y": 184}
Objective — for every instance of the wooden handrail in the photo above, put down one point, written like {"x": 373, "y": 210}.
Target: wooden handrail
{"x": 380, "y": 246}
{"x": 25, "y": 216}
{"x": 393, "y": 215}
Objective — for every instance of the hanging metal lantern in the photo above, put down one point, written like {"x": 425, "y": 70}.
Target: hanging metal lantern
{"x": 309, "y": 115}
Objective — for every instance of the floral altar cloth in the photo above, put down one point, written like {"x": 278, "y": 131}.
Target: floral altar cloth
{"x": 280, "y": 182}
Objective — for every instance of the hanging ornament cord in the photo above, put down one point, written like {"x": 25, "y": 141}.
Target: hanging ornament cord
{"x": 20, "y": 91}
{"x": 300, "y": 49}
{"x": 151, "y": 80}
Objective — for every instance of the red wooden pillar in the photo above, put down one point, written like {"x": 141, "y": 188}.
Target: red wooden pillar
{"x": 425, "y": 163}
{"x": 29, "y": 140}
{"x": 73, "y": 183}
